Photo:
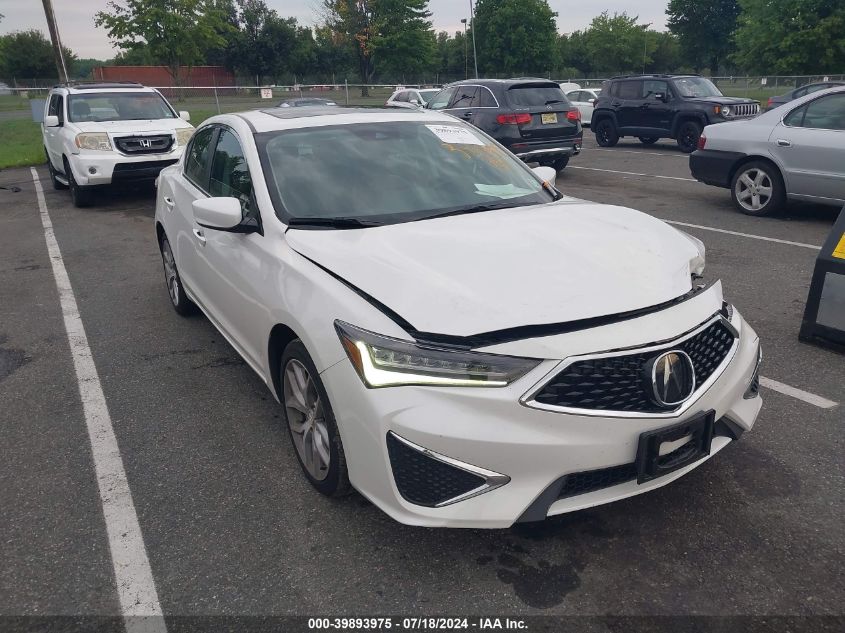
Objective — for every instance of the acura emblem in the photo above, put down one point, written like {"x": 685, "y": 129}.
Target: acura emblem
{"x": 672, "y": 378}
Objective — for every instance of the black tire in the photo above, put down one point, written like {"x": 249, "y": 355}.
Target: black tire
{"x": 178, "y": 299}
{"x": 751, "y": 184}
{"x": 606, "y": 134}
{"x": 649, "y": 140}
{"x": 53, "y": 173}
{"x": 560, "y": 163}
{"x": 335, "y": 481}
{"x": 81, "y": 196}
{"x": 688, "y": 134}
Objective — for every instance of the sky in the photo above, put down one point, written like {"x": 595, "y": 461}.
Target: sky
{"x": 77, "y": 30}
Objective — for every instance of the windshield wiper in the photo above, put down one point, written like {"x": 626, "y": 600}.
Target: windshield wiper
{"x": 334, "y": 223}
{"x": 477, "y": 208}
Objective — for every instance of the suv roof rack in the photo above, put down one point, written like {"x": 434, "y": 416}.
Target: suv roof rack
{"x": 661, "y": 75}
{"x": 93, "y": 85}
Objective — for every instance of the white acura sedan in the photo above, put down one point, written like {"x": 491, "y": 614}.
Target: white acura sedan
{"x": 445, "y": 332}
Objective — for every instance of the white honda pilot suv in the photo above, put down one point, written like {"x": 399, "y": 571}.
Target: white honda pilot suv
{"x": 104, "y": 133}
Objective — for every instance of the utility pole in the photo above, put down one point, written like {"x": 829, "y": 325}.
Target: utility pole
{"x": 54, "y": 38}
{"x": 466, "y": 54}
{"x": 472, "y": 26}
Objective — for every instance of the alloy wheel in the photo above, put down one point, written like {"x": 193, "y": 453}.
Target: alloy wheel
{"x": 170, "y": 275}
{"x": 754, "y": 189}
{"x": 306, "y": 419}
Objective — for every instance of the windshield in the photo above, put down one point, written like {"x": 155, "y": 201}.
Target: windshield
{"x": 118, "y": 106}
{"x": 696, "y": 87}
{"x": 428, "y": 94}
{"x": 392, "y": 172}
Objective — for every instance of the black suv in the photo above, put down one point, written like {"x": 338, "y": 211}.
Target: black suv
{"x": 652, "y": 107}
{"x": 530, "y": 117}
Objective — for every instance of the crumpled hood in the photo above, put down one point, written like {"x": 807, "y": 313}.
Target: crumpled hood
{"x": 478, "y": 273}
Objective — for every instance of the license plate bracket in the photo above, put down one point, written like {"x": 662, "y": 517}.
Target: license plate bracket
{"x": 651, "y": 464}
{"x": 549, "y": 117}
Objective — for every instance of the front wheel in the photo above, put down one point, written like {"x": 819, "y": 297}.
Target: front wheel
{"x": 53, "y": 173}
{"x": 81, "y": 196}
{"x": 178, "y": 299}
{"x": 311, "y": 422}
{"x": 757, "y": 189}
{"x": 606, "y": 134}
{"x": 688, "y": 135}
{"x": 649, "y": 140}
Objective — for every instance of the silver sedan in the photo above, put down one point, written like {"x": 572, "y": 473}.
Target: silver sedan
{"x": 794, "y": 152}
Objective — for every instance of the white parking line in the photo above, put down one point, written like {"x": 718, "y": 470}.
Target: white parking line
{"x": 634, "y": 151}
{"x": 800, "y": 394}
{"x": 749, "y": 235}
{"x": 632, "y": 173}
{"x": 135, "y": 585}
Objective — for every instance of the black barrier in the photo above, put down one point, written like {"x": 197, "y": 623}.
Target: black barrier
{"x": 824, "y": 316}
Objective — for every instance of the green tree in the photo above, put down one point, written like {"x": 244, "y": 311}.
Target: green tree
{"x": 177, "y": 33}
{"x": 29, "y": 55}
{"x": 515, "y": 36}
{"x": 396, "y": 31}
{"x": 617, "y": 43}
{"x": 790, "y": 36}
{"x": 82, "y": 68}
{"x": 666, "y": 54}
{"x": 704, "y": 29}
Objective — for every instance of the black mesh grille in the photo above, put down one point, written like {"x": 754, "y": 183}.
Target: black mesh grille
{"x": 423, "y": 480}
{"x": 588, "y": 481}
{"x": 160, "y": 144}
{"x": 617, "y": 383}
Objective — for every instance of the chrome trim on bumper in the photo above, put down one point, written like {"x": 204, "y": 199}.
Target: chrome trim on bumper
{"x": 492, "y": 479}
{"x": 528, "y": 399}
{"x": 554, "y": 150}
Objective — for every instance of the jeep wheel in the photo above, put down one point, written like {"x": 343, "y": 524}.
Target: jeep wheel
{"x": 606, "y": 134}
{"x": 649, "y": 140}
{"x": 688, "y": 135}
{"x": 757, "y": 189}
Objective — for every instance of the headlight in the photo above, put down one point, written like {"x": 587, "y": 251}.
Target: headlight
{"x": 183, "y": 135}
{"x": 93, "y": 140}
{"x": 382, "y": 361}
{"x": 726, "y": 110}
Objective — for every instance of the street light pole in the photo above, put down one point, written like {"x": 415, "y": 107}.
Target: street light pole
{"x": 466, "y": 54}
{"x": 472, "y": 26}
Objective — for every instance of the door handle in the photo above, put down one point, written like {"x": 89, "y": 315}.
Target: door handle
{"x": 467, "y": 115}
{"x": 200, "y": 237}
{"x": 782, "y": 142}
{"x": 169, "y": 202}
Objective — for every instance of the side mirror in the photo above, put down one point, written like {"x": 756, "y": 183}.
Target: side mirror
{"x": 591, "y": 101}
{"x": 415, "y": 102}
{"x": 546, "y": 174}
{"x": 221, "y": 214}
{"x": 184, "y": 115}
{"x": 51, "y": 120}
{"x": 659, "y": 96}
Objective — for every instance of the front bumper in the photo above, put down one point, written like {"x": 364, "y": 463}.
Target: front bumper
{"x": 104, "y": 168}
{"x": 713, "y": 167}
{"x": 523, "y": 450}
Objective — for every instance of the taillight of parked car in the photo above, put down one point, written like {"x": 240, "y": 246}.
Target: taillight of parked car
{"x": 514, "y": 119}
{"x": 769, "y": 103}
{"x": 702, "y": 141}
{"x": 573, "y": 115}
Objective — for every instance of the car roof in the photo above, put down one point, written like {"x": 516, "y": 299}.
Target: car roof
{"x": 504, "y": 82}
{"x": 114, "y": 86}
{"x": 273, "y": 119}
{"x": 653, "y": 75}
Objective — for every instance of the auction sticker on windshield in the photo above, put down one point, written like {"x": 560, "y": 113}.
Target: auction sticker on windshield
{"x": 454, "y": 135}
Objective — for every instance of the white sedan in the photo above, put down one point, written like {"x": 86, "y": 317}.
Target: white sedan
{"x": 445, "y": 332}
{"x": 585, "y": 100}
{"x": 411, "y": 97}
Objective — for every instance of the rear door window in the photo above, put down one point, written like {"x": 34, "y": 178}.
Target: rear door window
{"x": 402, "y": 97}
{"x": 533, "y": 96}
{"x": 630, "y": 89}
{"x": 464, "y": 96}
{"x": 485, "y": 99}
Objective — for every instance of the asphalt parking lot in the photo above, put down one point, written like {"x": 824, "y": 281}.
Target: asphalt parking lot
{"x": 230, "y": 526}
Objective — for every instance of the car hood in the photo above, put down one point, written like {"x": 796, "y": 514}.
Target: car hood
{"x": 162, "y": 126}
{"x": 479, "y": 273}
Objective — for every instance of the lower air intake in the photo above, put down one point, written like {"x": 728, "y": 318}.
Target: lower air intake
{"x": 425, "y": 481}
